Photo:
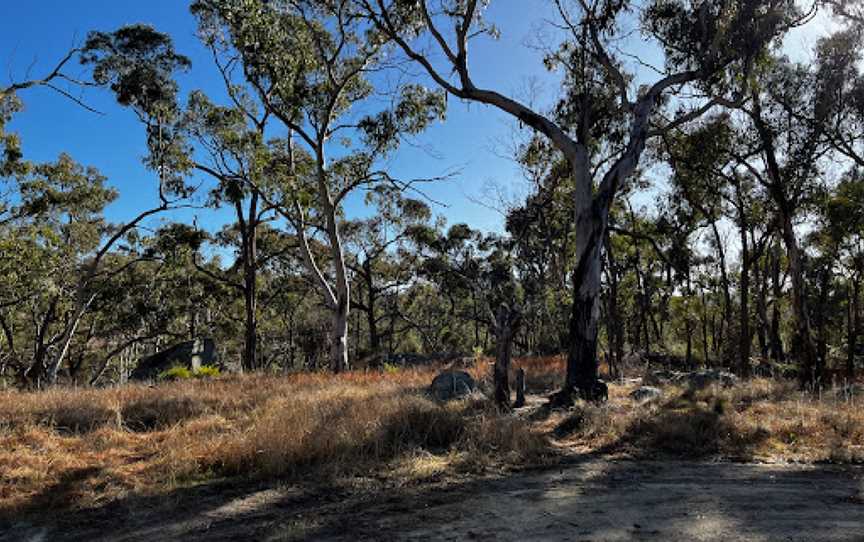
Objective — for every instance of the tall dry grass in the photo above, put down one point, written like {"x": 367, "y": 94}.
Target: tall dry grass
{"x": 65, "y": 447}
{"x": 758, "y": 420}
{"x": 83, "y": 447}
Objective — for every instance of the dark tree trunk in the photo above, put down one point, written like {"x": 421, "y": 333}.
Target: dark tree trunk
{"x": 688, "y": 322}
{"x": 777, "y": 352}
{"x": 614, "y": 328}
{"x": 810, "y": 373}
{"x": 745, "y": 338}
{"x": 582, "y": 354}
{"x": 761, "y": 309}
{"x": 704, "y": 319}
{"x": 822, "y": 314}
{"x": 369, "y": 309}
{"x": 853, "y": 327}
{"x": 724, "y": 282}
{"x": 249, "y": 233}
{"x": 506, "y": 323}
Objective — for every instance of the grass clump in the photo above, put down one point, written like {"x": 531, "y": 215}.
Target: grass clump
{"x": 207, "y": 371}
{"x": 180, "y": 372}
{"x": 176, "y": 373}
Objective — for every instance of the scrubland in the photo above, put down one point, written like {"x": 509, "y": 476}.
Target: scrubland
{"x": 77, "y": 448}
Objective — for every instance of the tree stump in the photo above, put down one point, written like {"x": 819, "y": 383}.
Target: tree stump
{"x": 520, "y": 388}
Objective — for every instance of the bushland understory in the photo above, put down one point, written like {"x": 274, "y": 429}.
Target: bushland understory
{"x": 79, "y": 448}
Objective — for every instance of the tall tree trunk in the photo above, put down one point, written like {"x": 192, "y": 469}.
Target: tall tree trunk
{"x": 810, "y": 372}
{"x": 704, "y": 318}
{"x": 809, "y": 367}
{"x": 339, "y": 338}
{"x": 777, "y": 352}
{"x": 761, "y": 308}
{"x": 53, "y": 367}
{"x": 727, "y": 295}
{"x": 506, "y": 324}
{"x": 614, "y": 328}
{"x": 688, "y": 321}
{"x": 745, "y": 336}
{"x": 853, "y": 327}
{"x": 822, "y": 315}
{"x": 371, "y": 302}
{"x": 250, "y": 339}
{"x": 249, "y": 231}
{"x": 584, "y": 317}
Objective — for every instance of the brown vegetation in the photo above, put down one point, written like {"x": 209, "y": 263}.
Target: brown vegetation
{"x": 66, "y": 447}
{"x": 758, "y": 420}
{"x": 83, "y": 448}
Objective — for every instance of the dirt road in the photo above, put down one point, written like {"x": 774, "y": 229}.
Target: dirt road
{"x": 588, "y": 500}
{"x": 651, "y": 501}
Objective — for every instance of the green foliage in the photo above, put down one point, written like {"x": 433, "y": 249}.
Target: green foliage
{"x": 390, "y": 368}
{"x": 138, "y": 63}
{"x": 207, "y": 371}
{"x": 176, "y": 373}
{"x": 180, "y": 372}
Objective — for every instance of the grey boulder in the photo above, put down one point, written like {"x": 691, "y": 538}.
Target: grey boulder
{"x": 452, "y": 385}
{"x": 646, "y": 394}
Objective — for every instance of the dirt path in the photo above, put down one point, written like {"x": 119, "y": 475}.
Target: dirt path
{"x": 649, "y": 501}
{"x": 589, "y": 500}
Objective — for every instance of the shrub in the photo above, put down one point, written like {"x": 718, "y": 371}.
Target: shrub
{"x": 176, "y": 373}
{"x": 207, "y": 371}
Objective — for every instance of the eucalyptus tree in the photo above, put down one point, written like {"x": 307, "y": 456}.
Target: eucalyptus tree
{"x": 233, "y": 141}
{"x": 844, "y": 229}
{"x": 603, "y": 122}
{"x": 45, "y": 252}
{"x": 309, "y": 64}
{"x": 29, "y": 192}
{"x": 381, "y": 258}
{"x": 708, "y": 176}
{"x": 788, "y": 141}
{"x": 141, "y": 79}
{"x": 66, "y": 200}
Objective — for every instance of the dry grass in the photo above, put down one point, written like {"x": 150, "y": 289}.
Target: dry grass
{"x": 759, "y": 420}
{"x": 85, "y": 447}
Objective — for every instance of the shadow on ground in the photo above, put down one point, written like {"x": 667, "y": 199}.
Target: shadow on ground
{"x": 586, "y": 498}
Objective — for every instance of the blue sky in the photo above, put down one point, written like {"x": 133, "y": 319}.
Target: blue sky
{"x": 35, "y": 34}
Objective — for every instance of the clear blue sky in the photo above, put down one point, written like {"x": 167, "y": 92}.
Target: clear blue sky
{"x": 35, "y": 34}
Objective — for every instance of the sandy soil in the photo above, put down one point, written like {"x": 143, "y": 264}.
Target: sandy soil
{"x": 591, "y": 499}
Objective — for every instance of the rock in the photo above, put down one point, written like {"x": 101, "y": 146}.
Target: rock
{"x": 709, "y": 377}
{"x": 646, "y": 394}
{"x": 189, "y": 354}
{"x": 662, "y": 377}
{"x": 452, "y": 385}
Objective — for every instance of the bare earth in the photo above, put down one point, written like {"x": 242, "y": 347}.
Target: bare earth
{"x": 592, "y": 499}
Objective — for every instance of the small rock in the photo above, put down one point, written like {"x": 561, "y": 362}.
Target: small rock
{"x": 646, "y": 394}
{"x": 703, "y": 379}
{"x": 662, "y": 377}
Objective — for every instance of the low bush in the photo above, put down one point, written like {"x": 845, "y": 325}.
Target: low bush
{"x": 207, "y": 371}
{"x": 176, "y": 373}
